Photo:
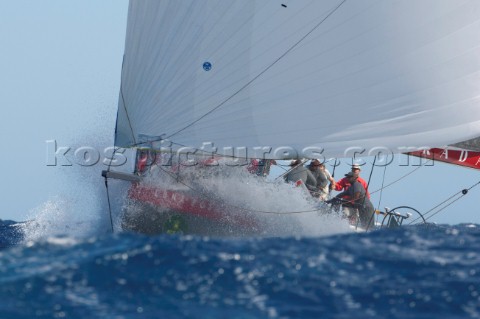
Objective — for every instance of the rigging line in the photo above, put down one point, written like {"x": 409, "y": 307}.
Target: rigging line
{"x": 108, "y": 192}
{"x": 291, "y": 169}
{"x": 371, "y": 172}
{"x": 289, "y": 35}
{"x": 232, "y": 57}
{"x": 401, "y": 177}
{"x": 334, "y": 167}
{"x": 463, "y": 193}
{"x": 261, "y": 73}
{"x": 439, "y": 210}
{"x": 442, "y": 208}
{"x": 234, "y": 206}
{"x": 265, "y": 79}
{"x": 365, "y": 196}
{"x": 381, "y": 188}
{"x": 236, "y": 54}
{"x": 233, "y": 156}
{"x": 111, "y": 159}
{"x": 184, "y": 70}
{"x": 440, "y": 204}
{"x": 109, "y": 205}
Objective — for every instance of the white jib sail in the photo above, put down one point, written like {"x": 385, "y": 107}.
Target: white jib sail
{"x": 324, "y": 75}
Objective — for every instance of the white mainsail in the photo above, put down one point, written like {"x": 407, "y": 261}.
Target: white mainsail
{"x": 330, "y": 74}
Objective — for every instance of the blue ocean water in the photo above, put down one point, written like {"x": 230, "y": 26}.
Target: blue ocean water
{"x": 411, "y": 272}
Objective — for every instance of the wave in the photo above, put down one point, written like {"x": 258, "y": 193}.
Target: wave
{"x": 411, "y": 272}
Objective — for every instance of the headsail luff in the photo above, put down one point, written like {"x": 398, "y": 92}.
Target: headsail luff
{"x": 328, "y": 74}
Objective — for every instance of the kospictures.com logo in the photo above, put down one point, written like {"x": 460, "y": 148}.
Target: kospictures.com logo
{"x": 84, "y": 155}
{"x": 234, "y": 156}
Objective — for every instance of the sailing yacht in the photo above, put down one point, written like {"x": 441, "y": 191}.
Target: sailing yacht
{"x": 275, "y": 80}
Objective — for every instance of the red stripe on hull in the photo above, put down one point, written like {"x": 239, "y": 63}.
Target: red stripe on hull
{"x": 184, "y": 202}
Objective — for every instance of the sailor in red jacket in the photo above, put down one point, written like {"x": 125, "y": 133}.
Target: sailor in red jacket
{"x": 344, "y": 183}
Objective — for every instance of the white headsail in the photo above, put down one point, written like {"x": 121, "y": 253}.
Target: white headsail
{"x": 330, "y": 74}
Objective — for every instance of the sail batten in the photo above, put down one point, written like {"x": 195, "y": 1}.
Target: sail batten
{"x": 393, "y": 74}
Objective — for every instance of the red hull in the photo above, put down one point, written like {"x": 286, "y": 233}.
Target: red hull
{"x": 192, "y": 207}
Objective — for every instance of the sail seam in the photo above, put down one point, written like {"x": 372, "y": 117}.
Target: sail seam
{"x": 261, "y": 73}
